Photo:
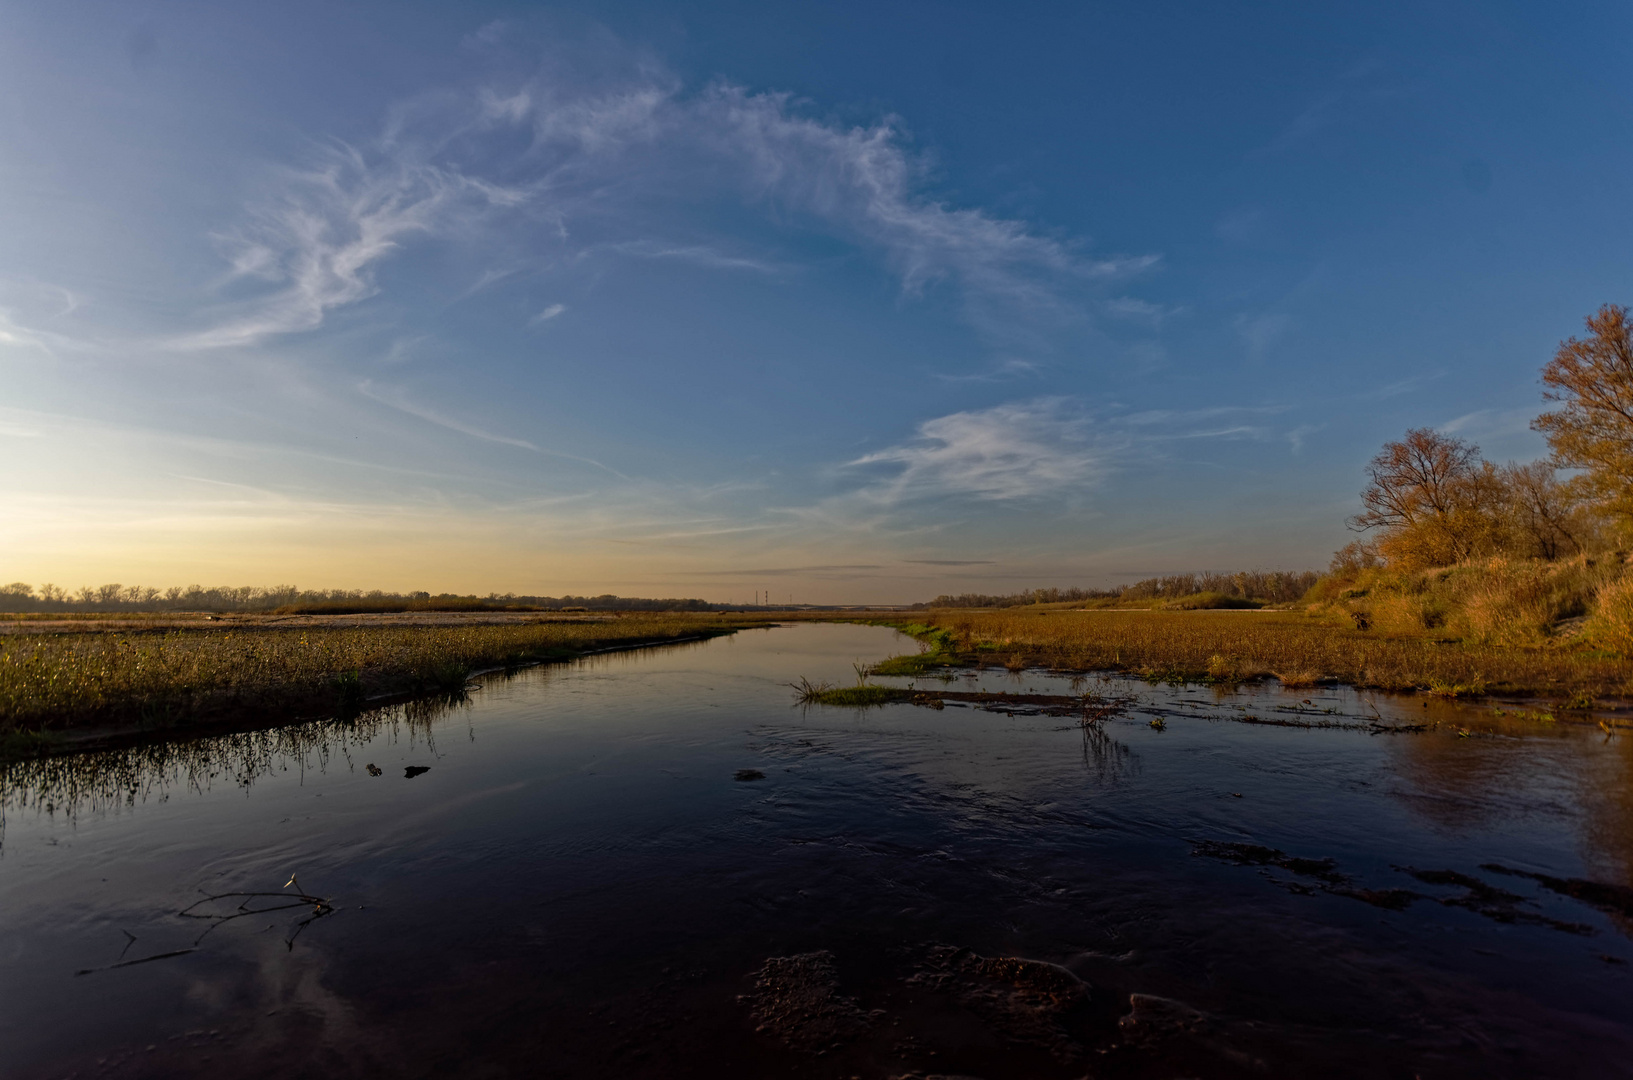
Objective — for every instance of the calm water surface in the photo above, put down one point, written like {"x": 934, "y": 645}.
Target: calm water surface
{"x": 579, "y": 885}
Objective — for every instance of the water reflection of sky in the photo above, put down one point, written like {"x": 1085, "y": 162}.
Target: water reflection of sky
{"x": 582, "y": 822}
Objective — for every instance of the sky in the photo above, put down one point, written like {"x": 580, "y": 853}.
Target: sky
{"x": 849, "y": 302}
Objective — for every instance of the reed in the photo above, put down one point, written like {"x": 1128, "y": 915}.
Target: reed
{"x": 1224, "y": 646}
{"x": 173, "y": 677}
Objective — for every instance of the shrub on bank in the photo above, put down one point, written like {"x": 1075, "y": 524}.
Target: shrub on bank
{"x": 1492, "y": 601}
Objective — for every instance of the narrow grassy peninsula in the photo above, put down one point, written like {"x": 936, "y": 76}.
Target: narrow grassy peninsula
{"x": 58, "y": 683}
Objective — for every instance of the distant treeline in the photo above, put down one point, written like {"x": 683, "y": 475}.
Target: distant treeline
{"x": 1020, "y": 599}
{"x": 288, "y": 600}
{"x": 1271, "y": 587}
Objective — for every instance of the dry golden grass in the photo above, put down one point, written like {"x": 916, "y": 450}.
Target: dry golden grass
{"x": 1490, "y": 601}
{"x": 1228, "y": 645}
{"x": 1612, "y": 622}
{"x": 173, "y": 677}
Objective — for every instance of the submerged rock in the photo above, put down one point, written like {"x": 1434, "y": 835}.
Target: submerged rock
{"x": 1025, "y": 1001}
{"x": 1153, "y": 1020}
{"x": 797, "y": 999}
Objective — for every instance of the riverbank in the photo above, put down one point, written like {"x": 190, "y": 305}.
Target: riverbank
{"x": 71, "y": 683}
{"x": 1298, "y": 648}
{"x": 65, "y": 685}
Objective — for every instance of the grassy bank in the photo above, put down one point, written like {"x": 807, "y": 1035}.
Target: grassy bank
{"x": 1300, "y": 647}
{"x": 55, "y": 683}
{"x": 1582, "y": 603}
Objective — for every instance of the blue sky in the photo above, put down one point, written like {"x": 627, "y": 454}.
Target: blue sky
{"x": 841, "y": 302}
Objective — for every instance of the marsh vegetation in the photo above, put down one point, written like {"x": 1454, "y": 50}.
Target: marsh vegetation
{"x": 168, "y": 678}
{"x": 1300, "y": 648}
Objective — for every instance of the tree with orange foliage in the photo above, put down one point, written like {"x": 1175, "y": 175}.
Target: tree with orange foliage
{"x": 1434, "y": 499}
{"x": 1592, "y": 378}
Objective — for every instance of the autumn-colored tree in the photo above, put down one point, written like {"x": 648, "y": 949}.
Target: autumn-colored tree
{"x": 1592, "y": 379}
{"x": 1352, "y": 558}
{"x": 1542, "y": 517}
{"x": 1432, "y": 497}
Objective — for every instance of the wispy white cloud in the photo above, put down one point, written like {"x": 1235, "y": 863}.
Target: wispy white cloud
{"x": 320, "y": 240}
{"x": 1013, "y": 368}
{"x": 1261, "y": 332}
{"x": 547, "y": 314}
{"x": 597, "y": 162}
{"x": 17, "y": 336}
{"x": 696, "y": 254}
{"x": 1241, "y": 225}
{"x": 1129, "y": 307}
{"x": 1492, "y": 423}
{"x": 29, "y": 310}
{"x": 397, "y": 400}
{"x": 1046, "y": 447}
{"x": 1400, "y": 386}
{"x": 842, "y": 569}
{"x": 489, "y": 277}
{"x": 20, "y": 431}
{"x": 488, "y": 35}
{"x": 866, "y": 180}
{"x": 1012, "y": 451}
{"x": 1296, "y": 437}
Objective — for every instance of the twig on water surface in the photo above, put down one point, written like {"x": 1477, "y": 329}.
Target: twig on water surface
{"x": 1097, "y": 710}
{"x": 130, "y": 963}
{"x": 320, "y": 907}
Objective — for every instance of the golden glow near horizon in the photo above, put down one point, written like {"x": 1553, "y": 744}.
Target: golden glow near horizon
{"x": 597, "y": 321}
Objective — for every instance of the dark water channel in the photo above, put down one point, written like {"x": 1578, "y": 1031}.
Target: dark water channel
{"x": 577, "y": 884}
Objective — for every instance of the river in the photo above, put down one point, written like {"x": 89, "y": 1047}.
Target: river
{"x": 655, "y": 864}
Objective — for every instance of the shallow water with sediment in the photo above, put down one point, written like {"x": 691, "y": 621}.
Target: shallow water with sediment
{"x": 655, "y": 864}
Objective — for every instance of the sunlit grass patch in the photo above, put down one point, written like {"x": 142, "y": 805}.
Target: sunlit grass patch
{"x": 1303, "y": 647}
{"x": 856, "y": 697}
{"x": 861, "y": 696}
{"x": 167, "y": 679}
{"x": 937, "y": 651}
{"x": 1450, "y": 689}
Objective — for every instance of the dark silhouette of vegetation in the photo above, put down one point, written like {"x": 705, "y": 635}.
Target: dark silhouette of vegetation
{"x": 1271, "y": 587}
{"x": 1019, "y": 599}
{"x": 1250, "y": 587}
{"x": 288, "y": 600}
